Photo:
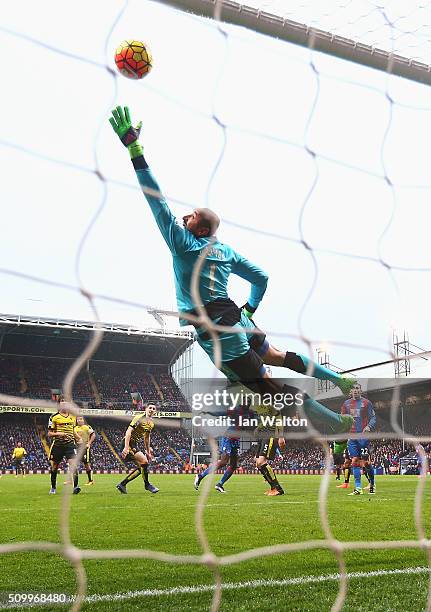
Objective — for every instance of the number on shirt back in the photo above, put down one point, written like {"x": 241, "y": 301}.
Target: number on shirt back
{"x": 212, "y": 277}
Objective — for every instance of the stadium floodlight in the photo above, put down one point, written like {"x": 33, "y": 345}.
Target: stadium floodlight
{"x": 160, "y": 320}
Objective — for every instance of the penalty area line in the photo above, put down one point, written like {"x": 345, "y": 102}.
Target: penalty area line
{"x": 230, "y": 586}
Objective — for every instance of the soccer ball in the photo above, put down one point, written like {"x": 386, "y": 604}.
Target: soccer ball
{"x": 133, "y": 59}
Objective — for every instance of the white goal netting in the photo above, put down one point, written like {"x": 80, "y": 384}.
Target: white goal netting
{"x": 318, "y": 167}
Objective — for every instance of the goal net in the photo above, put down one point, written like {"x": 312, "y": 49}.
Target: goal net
{"x": 381, "y": 36}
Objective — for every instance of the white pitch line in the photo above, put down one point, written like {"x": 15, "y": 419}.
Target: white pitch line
{"x": 233, "y": 586}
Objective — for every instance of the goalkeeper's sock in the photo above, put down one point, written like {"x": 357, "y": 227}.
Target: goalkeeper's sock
{"x": 131, "y": 476}
{"x": 144, "y": 470}
{"x": 75, "y": 479}
{"x": 346, "y": 475}
{"x": 357, "y": 475}
{"x": 301, "y": 363}
{"x": 318, "y": 413}
{"x": 89, "y": 475}
{"x": 54, "y": 479}
{"x": 227, "y": 474}
{"x": 268, "y": 473}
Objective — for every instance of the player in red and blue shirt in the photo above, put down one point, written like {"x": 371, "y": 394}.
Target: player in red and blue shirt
{"x": 228, "y": 450}
{"x": 229, "y": 447}
{"x": 362, "y": 411}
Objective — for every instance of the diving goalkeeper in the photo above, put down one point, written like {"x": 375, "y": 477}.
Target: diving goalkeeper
{"x": 245, "y": 353}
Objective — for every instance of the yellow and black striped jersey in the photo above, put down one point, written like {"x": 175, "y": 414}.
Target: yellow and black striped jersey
{"x": 84, "y": 432}
{"x": 141, "y": 426}
{"x": 18, "y": 452}
{"x": 65, "y": 424}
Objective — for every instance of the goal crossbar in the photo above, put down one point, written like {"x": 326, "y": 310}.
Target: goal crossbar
{"x": 291, "y": 31}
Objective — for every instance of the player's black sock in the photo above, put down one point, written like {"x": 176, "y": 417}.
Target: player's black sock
{"x": 75, "y": 479}
{"x": 268, "y": 473}
{"x": 145, "y": 473}
{"x": 292, "y": 361}
{"x": 89, "y": 475}
{"x": 369, "y": 473}
{"x": 131, "y": 476}
{"x": 338, "y": 473}
{"x": 53, "y": 479}
{"x": 346, "y": 475}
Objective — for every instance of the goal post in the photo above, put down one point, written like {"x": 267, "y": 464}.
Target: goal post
{"x": 277, "y": 26}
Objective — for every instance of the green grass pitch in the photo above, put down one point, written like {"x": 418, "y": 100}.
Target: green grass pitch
{"x": 243, "y": 518}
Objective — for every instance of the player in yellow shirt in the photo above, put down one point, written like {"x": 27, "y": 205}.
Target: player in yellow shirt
{"x": 87, "y": 435}
{"x": 61, "y": 428}
{"x": 18, "y": 457}
{"x": 140, "y": 428}
{"x": 267, "y": 451}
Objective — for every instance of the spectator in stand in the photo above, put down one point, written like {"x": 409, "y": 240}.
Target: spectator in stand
{"x": 386, "y": 464}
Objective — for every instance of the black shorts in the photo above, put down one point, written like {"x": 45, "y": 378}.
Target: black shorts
{"x": 267, "y": 448}
{"x": 86, "y": 455}
{"x": 224, "y": 311}
{"x": 18, "y": 462}
{"x": 250, "y": 371}
{"x": 247, "y": 368}
{"x": 131, "y": 454}
{"x": 58, "y": 451}
{"x": 338, "y": 458}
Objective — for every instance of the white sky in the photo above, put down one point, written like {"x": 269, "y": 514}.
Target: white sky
{"x": 57, "y": 107}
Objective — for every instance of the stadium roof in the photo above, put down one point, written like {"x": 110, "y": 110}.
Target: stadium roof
{"x": 51, "y": 337}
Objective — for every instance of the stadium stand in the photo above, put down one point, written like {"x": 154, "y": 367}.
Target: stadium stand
{"x": 34, "y": 358}
{"x": 21, "y": 428}
{"x": 103, "y": 385}
{"x": 307, "y": 456}
{"x": 171, "y": 448}
{"x": 35, "y": 354}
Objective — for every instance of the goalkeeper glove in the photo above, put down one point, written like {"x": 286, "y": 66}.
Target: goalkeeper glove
{"x": 248, "y": 310}
{"x": 122, "y": 126}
